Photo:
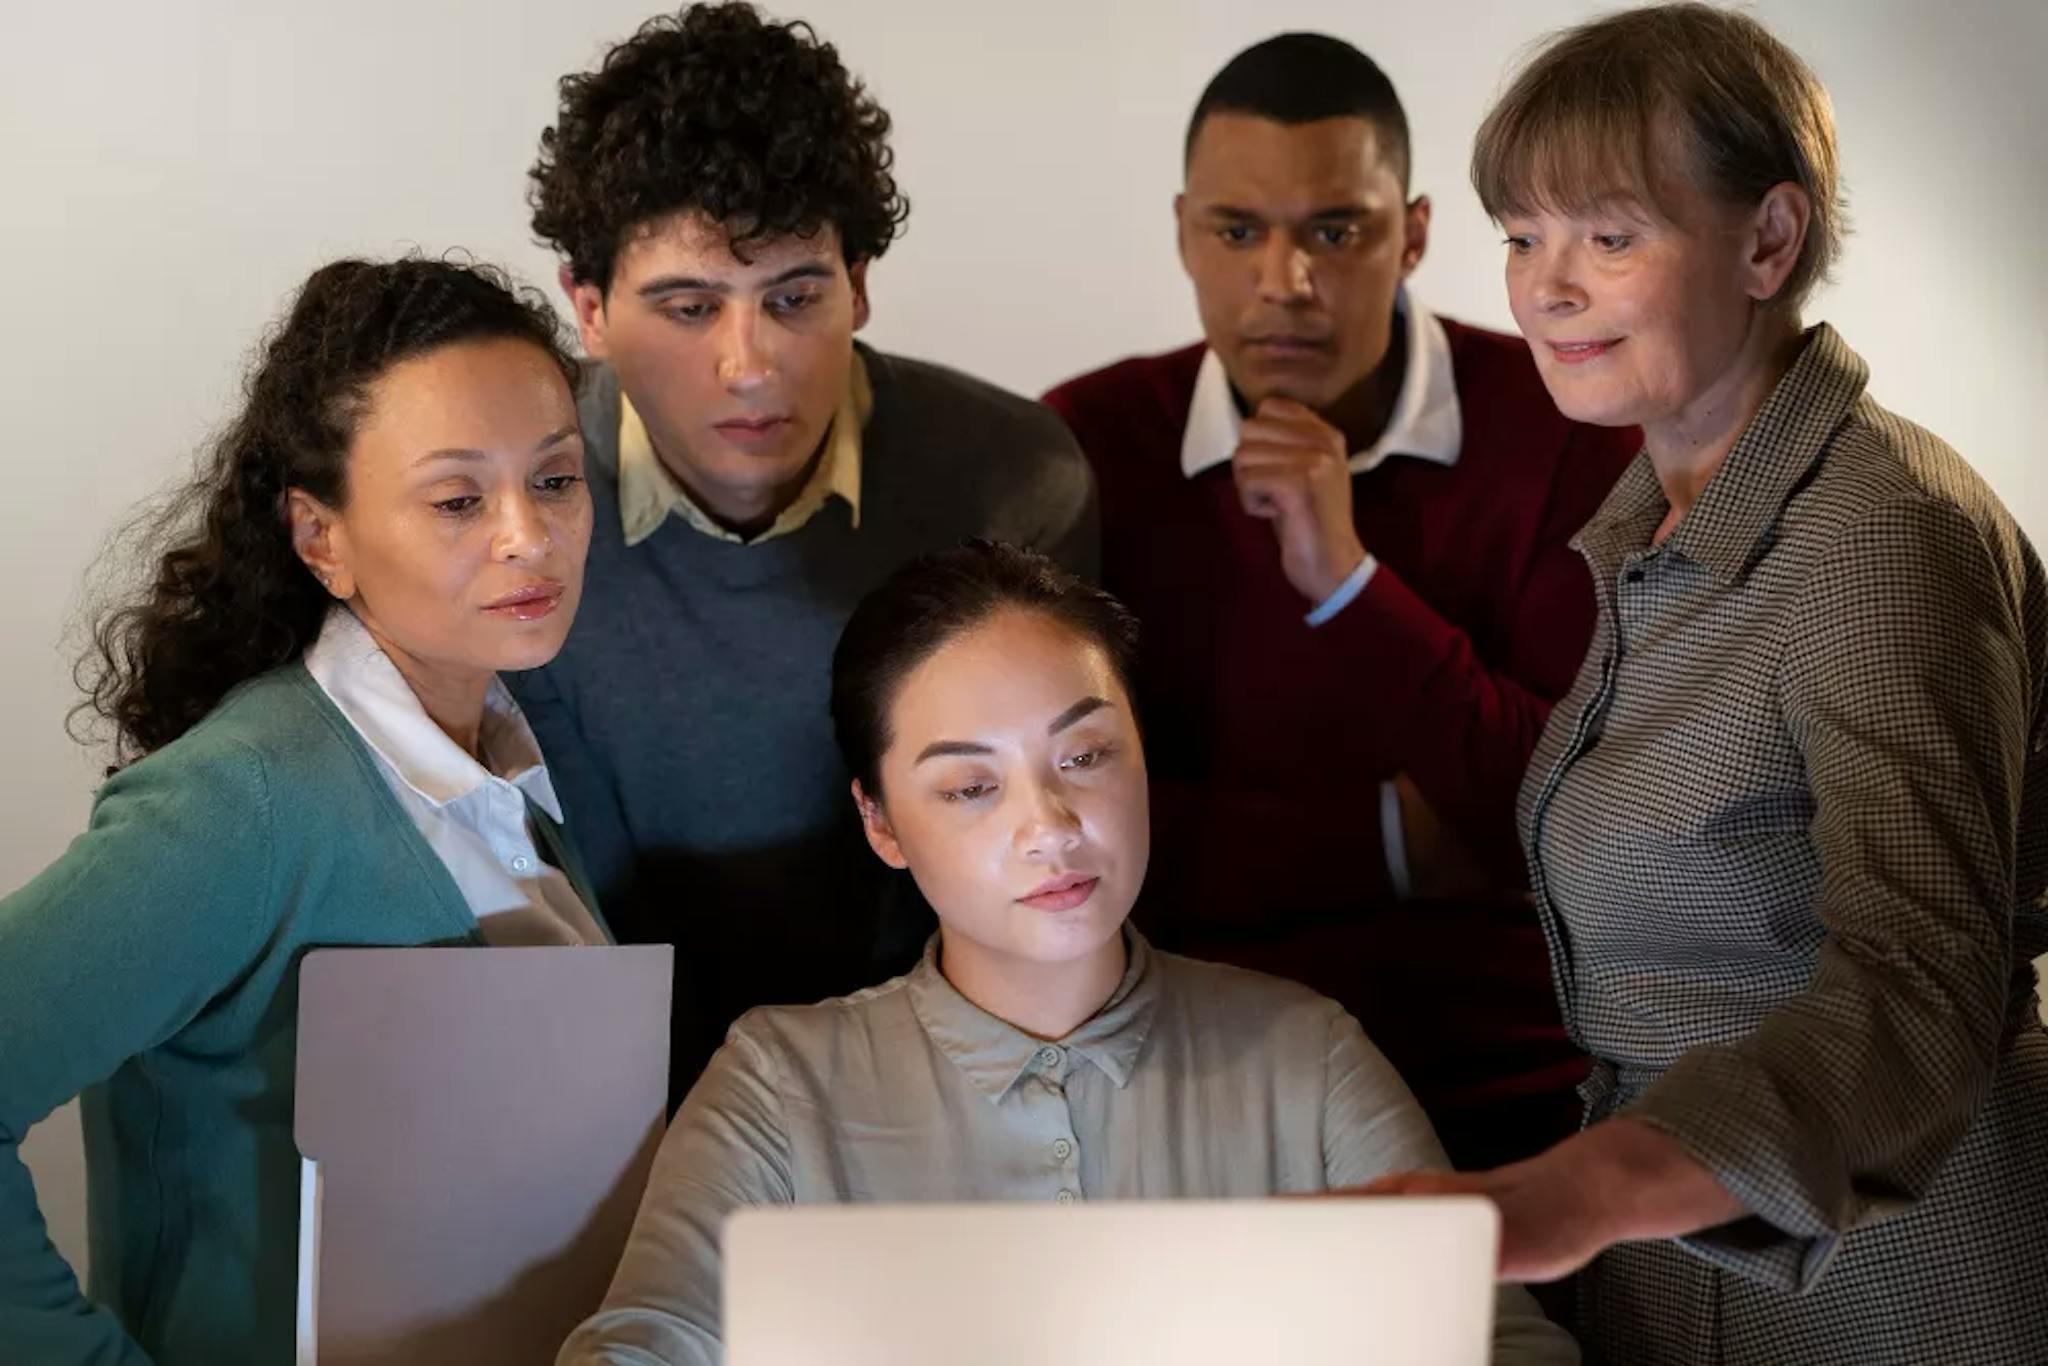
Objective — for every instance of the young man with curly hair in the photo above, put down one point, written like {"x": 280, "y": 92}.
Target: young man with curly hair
{"x": 717, "y": 189}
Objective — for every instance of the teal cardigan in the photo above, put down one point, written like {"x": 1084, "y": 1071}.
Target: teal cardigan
{"x": 154, "y": 968}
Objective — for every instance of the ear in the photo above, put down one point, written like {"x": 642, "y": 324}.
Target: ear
{"x": 875, "y": 822}
{"x": 857, "y": 276}
{"x": 1415, "y": 234}
{"x": 586, "y": 301}
{"x": 321, "y": 542}
{"x": 1777, "y": 232}
{"x": 1180, "y": 228}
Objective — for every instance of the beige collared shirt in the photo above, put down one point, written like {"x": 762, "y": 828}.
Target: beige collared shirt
{"x": 1193, "y": 1080}
{"x": 648, "y": 493}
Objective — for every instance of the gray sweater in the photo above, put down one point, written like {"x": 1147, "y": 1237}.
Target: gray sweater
{"x": 685, "y": 722}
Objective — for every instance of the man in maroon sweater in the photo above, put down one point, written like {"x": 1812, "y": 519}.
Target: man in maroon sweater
{"x": 1345, "y": 524}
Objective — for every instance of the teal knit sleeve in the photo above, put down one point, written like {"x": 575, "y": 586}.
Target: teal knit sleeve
{"x": 151, "y": 913}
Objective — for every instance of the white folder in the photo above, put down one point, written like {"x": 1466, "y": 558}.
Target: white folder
{"x": 476, "y": 1126}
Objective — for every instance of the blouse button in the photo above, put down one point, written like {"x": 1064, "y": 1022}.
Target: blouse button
{"x": 521, "y": 863}
{"x": 1063, "y": 1150}
{"x": 1064, "y": 1198}
{"x": 1048, "y": 1057}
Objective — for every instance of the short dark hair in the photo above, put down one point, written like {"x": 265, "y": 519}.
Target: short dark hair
{"x": 717, "y": 110}
{"x": 1304, "y": 77}
{"x": 935, "y": 598}
{"x": 230, "y": 597}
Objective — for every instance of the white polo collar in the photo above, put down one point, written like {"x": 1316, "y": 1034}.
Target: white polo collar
{"x": 366, "y": 686}
{"x": 1425, "y": 423}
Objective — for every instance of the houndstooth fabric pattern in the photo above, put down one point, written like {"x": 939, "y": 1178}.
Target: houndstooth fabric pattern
{"x": 1789, "y": 839}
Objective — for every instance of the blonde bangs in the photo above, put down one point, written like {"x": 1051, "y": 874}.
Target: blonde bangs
{"x": 1571, "y": 137}
{"x": 1634, "y": 108}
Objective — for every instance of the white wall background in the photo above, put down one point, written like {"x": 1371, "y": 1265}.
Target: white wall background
{"x": 172, "y": 171}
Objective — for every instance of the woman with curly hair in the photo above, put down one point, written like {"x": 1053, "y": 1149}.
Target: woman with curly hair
{"x": 718, "y": 189}
{"x": 315, "y": 752}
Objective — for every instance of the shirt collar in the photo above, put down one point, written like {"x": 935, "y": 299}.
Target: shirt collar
{"x": 1740, "y": 505}
{"x": 995, "y": 1055}
{"x": 353, "y": 670}
{"x": 1770, "y": 460}
{"x": 648, "y": 493}
{"x": 1626, "y": 520}
{"x": 1425, "y": 422}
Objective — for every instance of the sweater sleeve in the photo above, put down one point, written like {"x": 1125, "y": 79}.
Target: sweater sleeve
{"x": 1472, "y": 721}
{"x": 1202, "y": 828}
{"x": 151, "y": 913}
{"x": 1070, "y": 522}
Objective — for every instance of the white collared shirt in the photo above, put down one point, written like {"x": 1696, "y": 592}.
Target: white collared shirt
{"x": 1425, "y": 425}
{"x": 472, "y": 816}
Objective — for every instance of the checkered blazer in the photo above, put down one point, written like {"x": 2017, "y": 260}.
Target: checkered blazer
{"x": 1788, "y": 836}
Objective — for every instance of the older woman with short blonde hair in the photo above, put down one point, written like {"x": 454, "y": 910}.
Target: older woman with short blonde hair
{"x": 1788, "y": 833}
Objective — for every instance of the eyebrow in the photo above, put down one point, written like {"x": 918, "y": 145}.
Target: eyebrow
{"x": 1246, "y": 215}
{"x": 1087, "y": 706}
{"x": 692, "y": 284}
{"x": 470, "y": 454}
{"x": 939, "y": 749}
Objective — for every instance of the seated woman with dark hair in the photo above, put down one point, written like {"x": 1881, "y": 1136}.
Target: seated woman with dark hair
{"x": 319, "y": 754}
{"x": 1040, "y": 1051}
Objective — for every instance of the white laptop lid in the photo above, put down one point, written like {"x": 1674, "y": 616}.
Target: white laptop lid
{"x": 1193, "y": 1283}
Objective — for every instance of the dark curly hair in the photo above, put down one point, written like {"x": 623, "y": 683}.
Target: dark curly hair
{"x": 715, "y": 109}
{"x": 936, "y": 597}
{"x": 230, "y": 597}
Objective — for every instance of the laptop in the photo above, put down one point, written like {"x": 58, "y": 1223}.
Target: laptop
{"x": 1192, "y": 1283}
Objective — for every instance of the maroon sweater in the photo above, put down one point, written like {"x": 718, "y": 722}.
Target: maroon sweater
{"x": 1268, "y": 739}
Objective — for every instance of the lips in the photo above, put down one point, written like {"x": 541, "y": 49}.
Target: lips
{"x": 1062, "y": 893}
{"x": 753, "y": 431}
{"x": 1579, "y": 352}
{"x": 1287, "y": 346}
{"x": 530, "y": 603}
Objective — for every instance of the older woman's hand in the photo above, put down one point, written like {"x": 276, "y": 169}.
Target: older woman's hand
{"x": 1560, "y": 1209}
{"x": 1549, "y": 1228}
